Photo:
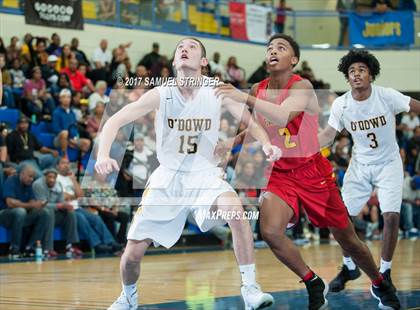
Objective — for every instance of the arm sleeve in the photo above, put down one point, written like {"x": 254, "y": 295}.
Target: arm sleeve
{"x": 8, "y": 189}
{"x": 336, "y": 117}
{"x": 39, "y": 191}
{"x": 399, "y": 102}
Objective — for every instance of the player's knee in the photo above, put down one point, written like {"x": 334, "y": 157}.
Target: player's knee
{"x": 270, "y": 235}
{"x": 132, "y": 257}
{"x": 391, "y": 218}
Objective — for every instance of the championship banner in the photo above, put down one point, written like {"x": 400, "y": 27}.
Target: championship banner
{"x": 391, "y": 28}
{"x": 54, "y": 13}
{"x": 250, "y": 22}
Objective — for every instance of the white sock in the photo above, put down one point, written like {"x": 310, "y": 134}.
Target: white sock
{"x": 247, "y": 274}
{"x": 129, "y": 290}
{"x": 349, "y": 263}
{"x": 385, "y": 265}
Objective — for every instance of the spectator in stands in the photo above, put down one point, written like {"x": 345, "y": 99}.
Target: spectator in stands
{"x": 77, "y": 79}
{"x": 407, "y": 5}
{"x": 2, "y": 47}
{"x": 106, "y": 10}
{"x": 94, "y": 121}
{"x": 64, "y": 125}
{"x": 260, "y": 74}
{"x": 153, "y": 57}
{"x": 235, "y": 74}
{"x": 216, "y": 66}
{"x": 50, "y": 74}
{"x": 90, "y": 225}
{"x": 23, "y": 210}
{"x": 413, "y": 150}
{"x": 281, "y": 16}
{"x": 100, "y": 195}
{"x": 60, "y": 213}
{"x": 409, "y": 122}
{"x": 117, "y": 68}
{"x": 98, "y": 95}
{"x": 102, "y": 56}
{"x": 18, "y": 77}
{"x": 80, "y": 55}
{"x": 63, "y": 60}
{"x": 9, "y": 100}
{"x": 41, "y": 56}
{"x": 141, "y": 71}
{"x": 410, "y": 196}
{"x": 38, "y": 100}
{"x": 27, "y": 52}
{"x": 54, "y": 47}
{"x": 13, "y": 50}
{"x": 343, "y": 6}
{"x": 381, "y": 6}
{"x": 21, "y": 145}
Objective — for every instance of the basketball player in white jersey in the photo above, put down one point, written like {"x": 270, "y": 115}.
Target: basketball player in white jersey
{"x": 187, "y": 180}
{"x": 368, "y": 112}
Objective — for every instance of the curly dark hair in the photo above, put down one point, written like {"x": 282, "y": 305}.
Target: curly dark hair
{"x": 359, "y": 56}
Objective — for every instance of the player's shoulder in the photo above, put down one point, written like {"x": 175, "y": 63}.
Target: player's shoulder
{"x": 302, "y": 84}
{"x": 340, "y": 101}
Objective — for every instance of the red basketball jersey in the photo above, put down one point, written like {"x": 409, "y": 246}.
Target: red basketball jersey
{"x": 299, "y": 139}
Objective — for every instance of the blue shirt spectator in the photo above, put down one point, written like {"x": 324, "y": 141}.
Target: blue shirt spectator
{"x": 14, "y": 188}
{"x": 64, "y": 119}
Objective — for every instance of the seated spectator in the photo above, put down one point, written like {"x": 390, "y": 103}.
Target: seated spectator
{"x": 409, "y": 121}
{"x": 216, "y": 66}
{"x": 38, "y": 100}
{"x": 64, "y": 125}
{"x": 18, "y": 77}
{"x": 370, "y": 215}
{"x": 50, "y": 74}
{"x": 63, "y": 60}
{"x": 94, "y": 121}
{"x": 381, "y": 6}
{"x": 260, "y": 74}
{"x": 89, "y": 225}
{"x": 41, "y": 56}
{"x": 77, "y": 79}
{"x": 23, "y": 210}
{"x": 235, "y": 74}
{"x": 102, "y": 56}
{"x": 21, "y": 145}
{"x": 13, "y": 50}
{"x": 106, "y": 10}
{"x": 100, "y": 195}
{"x": 60, "y": 214}
{"x": 27, "y": 52}
{"x": 149, "y": 59}
{"x": 141, "y": 71}
{"x": 98, "y": 95}
{"x": 80, "y": 55}
{"x": 8, "y": 98}
{"x": 78, "y": 108}
{"x": 55, "y": 45}
{"x": 410, "y": 197}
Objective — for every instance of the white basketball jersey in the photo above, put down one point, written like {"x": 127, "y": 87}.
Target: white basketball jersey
{"x": 187, "y": 132}
{"x": 371, "y": 123}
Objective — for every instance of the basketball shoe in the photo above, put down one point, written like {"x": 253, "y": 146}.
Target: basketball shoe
{"x": 339, "y": 282}
{"x": 125, "y": 303}
{"x": 388, "y": 300}
{"x": 254, "y": 298}
{"x": 387, "y": 276}
{"x": 317, "y": 291}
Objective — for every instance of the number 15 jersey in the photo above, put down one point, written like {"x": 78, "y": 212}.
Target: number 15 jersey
{"x": 371, "y": 123}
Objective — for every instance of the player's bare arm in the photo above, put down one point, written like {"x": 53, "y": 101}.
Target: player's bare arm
{"x": 241, "y": 113}
{"x": 326, "y": 136}
{"x": 414, "y": 106}
{"x": 301, "y": 98}
{"x": 147, "y": 103}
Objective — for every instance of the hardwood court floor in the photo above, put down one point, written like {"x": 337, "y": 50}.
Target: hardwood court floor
{"x": 205, "y": 280}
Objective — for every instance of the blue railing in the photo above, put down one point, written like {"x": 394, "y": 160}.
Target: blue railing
{"x": 210, "y": 18}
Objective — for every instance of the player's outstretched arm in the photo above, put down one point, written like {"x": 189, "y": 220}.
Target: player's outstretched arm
{"x": 241, "y": 113}
{"x": 326, "y": 136}
{"x": 147, "y": 103}
{"x": 301, "y": 98}
{"x": 414, "y": 106}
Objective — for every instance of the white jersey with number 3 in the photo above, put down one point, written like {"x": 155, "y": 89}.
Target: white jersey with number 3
{"x": 371, "y": 123}
{"x": 187, "y": 132}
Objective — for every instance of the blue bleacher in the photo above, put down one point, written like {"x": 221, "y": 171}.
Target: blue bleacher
{"x": 10, "y": 116}
{"x": 46, "y": 139}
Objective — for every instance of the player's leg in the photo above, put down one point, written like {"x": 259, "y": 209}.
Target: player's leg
{"x": 275, "y": 214}
{"x": 389, "y": 182}
{"x": 243, "y": 246}
{"x": 356, "y": 192}
{"x": 130, "y": 272}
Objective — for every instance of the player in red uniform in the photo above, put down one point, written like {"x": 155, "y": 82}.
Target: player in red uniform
{"x": 285, "y": 104}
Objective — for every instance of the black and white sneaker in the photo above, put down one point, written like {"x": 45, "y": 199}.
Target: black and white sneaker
{"x": 317, "y": 290}
{"x": 388, "y": 300}
{"x": 339, "y": 282}
{"x": 387, "y": 276}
